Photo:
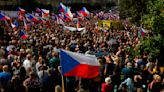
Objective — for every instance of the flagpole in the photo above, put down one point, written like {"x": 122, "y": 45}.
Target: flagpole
{"x": 79, "y": 83}
{"x": 60, "y": 70}
{"x": 25, "y": 25}
{"x": 62, "y": 83}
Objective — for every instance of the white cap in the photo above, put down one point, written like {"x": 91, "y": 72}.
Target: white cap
{"x": 108, "y": 80}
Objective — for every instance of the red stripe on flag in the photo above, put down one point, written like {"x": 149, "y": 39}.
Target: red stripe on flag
{"x": 84, "y": 71}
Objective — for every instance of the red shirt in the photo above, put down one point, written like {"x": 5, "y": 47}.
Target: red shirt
{"x": 106, "y": 87}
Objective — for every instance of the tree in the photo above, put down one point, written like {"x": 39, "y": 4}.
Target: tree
{"x": 150, "y": 15}
{"x": 133, "y": 9}
{"x": 154, "y": 21}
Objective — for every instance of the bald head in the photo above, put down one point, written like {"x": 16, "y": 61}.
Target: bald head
{"x": 5, "y": 68}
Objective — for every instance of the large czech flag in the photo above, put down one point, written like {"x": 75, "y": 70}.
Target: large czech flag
{"x": 77, "y": 64}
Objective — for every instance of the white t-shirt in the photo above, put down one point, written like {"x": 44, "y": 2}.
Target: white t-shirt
{"x": 27, "y": 64}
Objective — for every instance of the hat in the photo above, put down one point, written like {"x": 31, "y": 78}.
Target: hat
{"x": 108, "y": 80}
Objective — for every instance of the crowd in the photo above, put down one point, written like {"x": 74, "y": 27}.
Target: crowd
{"x": 33, "y": 64}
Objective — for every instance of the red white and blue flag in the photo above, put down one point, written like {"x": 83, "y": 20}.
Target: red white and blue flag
{"x": 45, "y": 13}
{"x": 3, "y": 17}
{"x": 77, "y": 64}
{"x": 84, "y": 12}
{"x": 15, "y": 24}
{"x": 32, "y": 17}
{"x": 68, "y": 13}
{"x": 22, "y": 34}
{"x": 62, "y": 7}
{"x": 59, "y": 20}
{"x": 21, "y": 10}
{"x": 38, "y": 10}
{"x": 66, "y": 18}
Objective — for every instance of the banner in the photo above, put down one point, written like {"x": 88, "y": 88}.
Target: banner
{"x": 73, "y": 28}
{"x": 104, "y": 22}
{"x": 11, "y": 14}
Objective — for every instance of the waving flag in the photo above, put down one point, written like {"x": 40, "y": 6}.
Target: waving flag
{"x": 32, "y": 17}
{"x": 45, "y": 13}
{"x": 15, "y": 25}
{"x": 38, "y": 10}
{"x": 67, "y": 18}
{"x": 59, "y": 20}
{"x": 22, "y": 34}
{"x": 62, "y": 7}
{"x": 21, "y": 10}
{"x": 79, "y": 14}
{"x": 77, "y": 64}
{"x": 41, "y": 20}
{"x": 142, "y": 32}
{"x": 3, "y": 17}
{"x": 84, "y": 12}
{"x": 68, "y": 13}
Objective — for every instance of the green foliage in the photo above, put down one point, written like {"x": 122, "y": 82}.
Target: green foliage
{"x": 152, "y": 45}
{"x": 149, "y": 14}
{"x": 154, "y": 19}
{"x": 133, "y": 9}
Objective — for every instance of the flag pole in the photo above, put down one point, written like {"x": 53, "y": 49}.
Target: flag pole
{"x": 60, "y": 70}
{"x": 62, "y": 83}
{"x": 25, "y": 25}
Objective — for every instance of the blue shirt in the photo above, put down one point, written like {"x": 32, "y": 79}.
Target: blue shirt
{"x": 5, "y": 79}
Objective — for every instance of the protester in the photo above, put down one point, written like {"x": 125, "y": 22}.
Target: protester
{"x": 107, "y": 86}
{"x": 32, "y": 84}
{"x": 5, "y": 78}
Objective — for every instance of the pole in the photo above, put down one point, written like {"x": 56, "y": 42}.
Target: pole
{"x": 60, "y": 70}
{"x": 62, "y": 83}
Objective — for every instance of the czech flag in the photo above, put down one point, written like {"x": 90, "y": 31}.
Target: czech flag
{"x": 62, "y": 7}
{"x": 3, "y": 17}
{"x": 23, "y": 35}
{"x": 77, "y": 64}
{"x": 59, "y": 20}
{"x": 32, "y": 17}
{"x": 79, "y": 14}
{"x": 67, "y": 18}
{"x": 21, "y": 10}
{"x": 68, "y": 13}
{"x": 45, "y": 13}
{"x": 41, "y": 20}
{"x": 143, "y": 32}
{"x": 84, "y": 12}
{"x": 38, "y": 10}
{"x": 15, "y": 25}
